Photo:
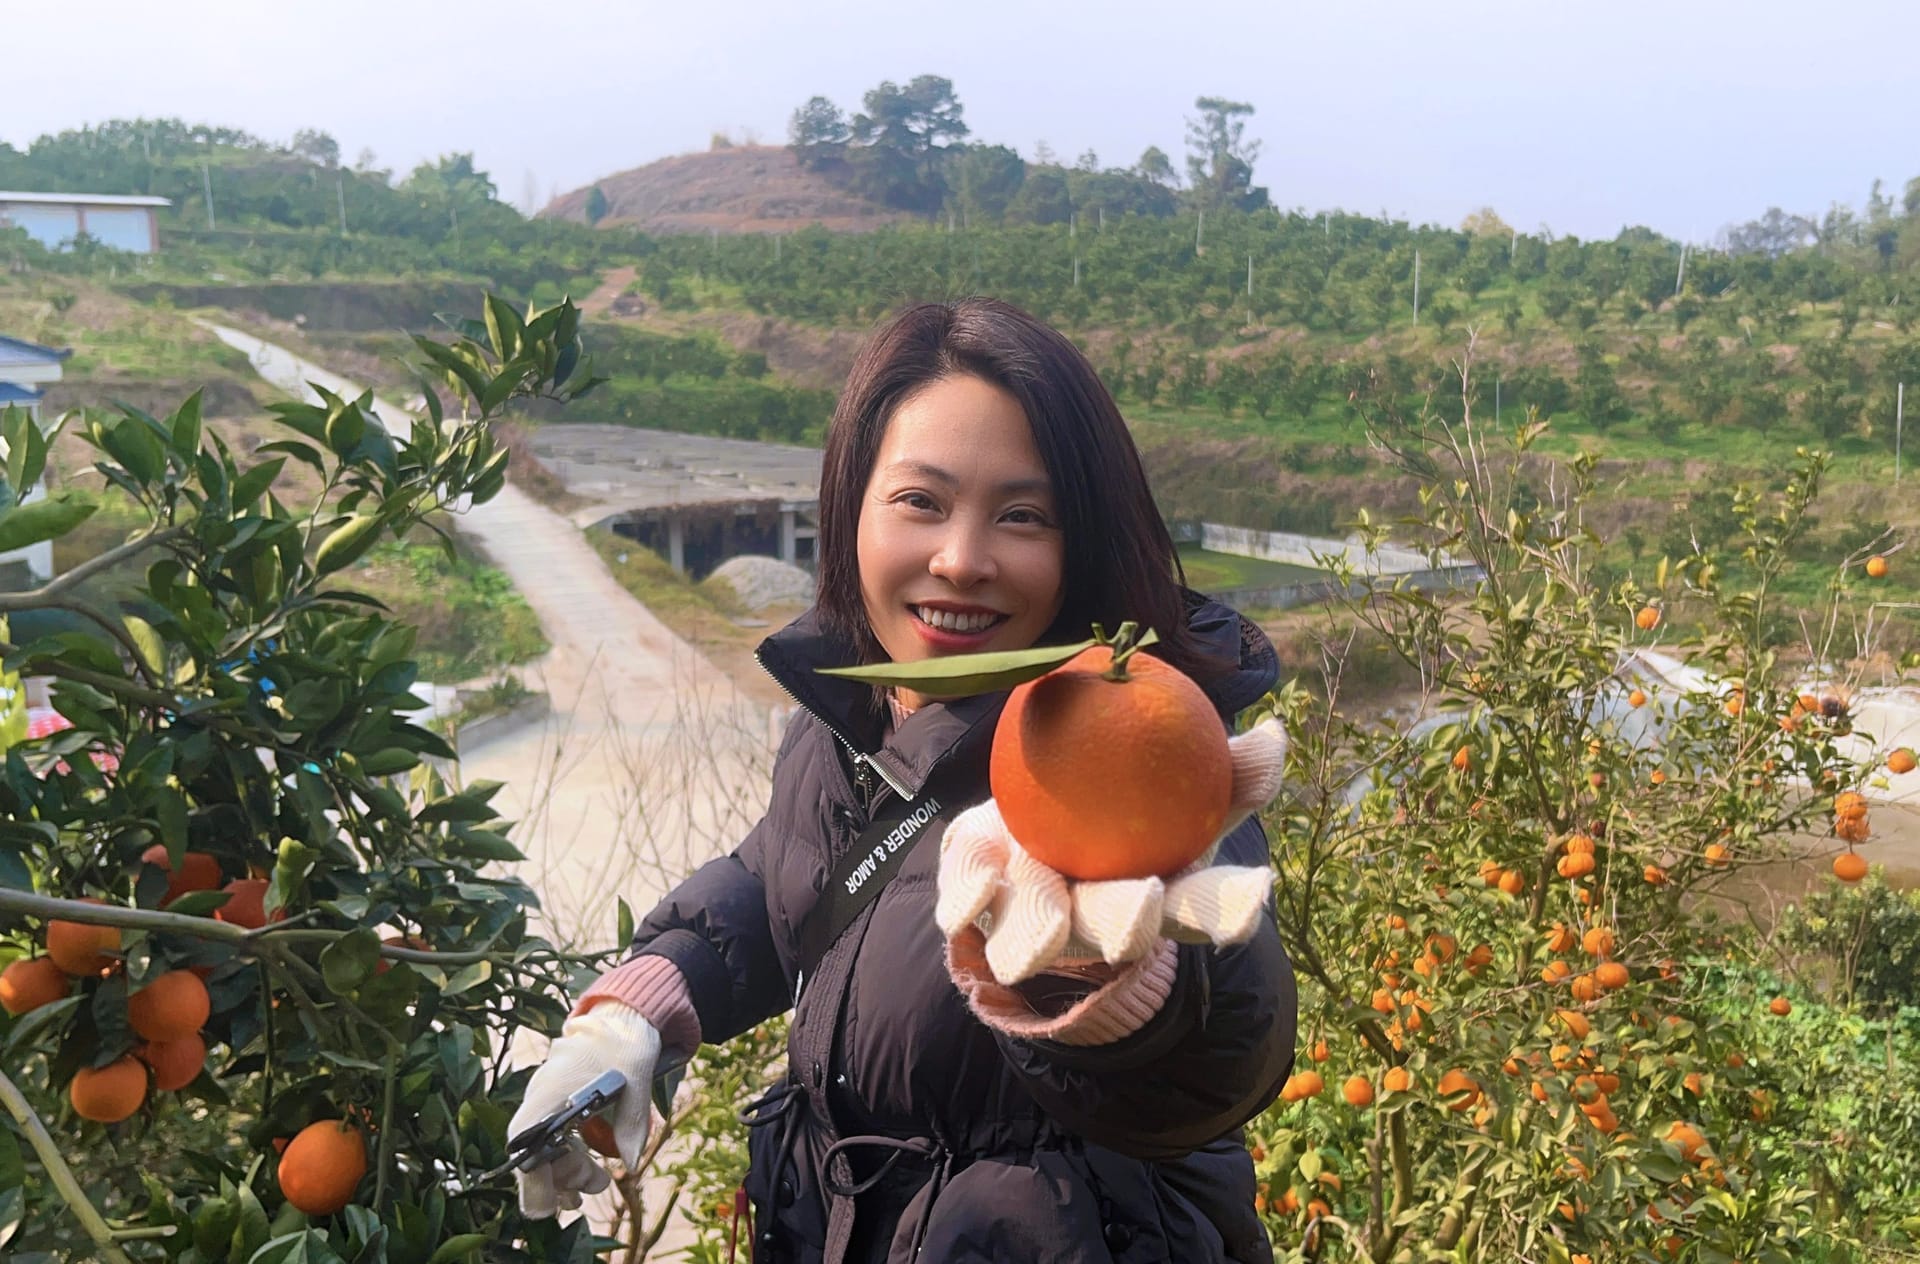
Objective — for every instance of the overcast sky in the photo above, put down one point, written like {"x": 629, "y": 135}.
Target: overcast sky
{"x": 1582, "y": 115}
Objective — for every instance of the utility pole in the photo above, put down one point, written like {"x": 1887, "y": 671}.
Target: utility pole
{"x": 340, "y": 191}
{"x": 1249, "y": 276}
{"x": 206, "y": 182}
{"x": 1899, "y": 423}
{"x": 1076, "y": 272}
{"x": 1416, "y": 289}
{"x": 1496, "y": 401}
{"x": 1513, "y": 248}
{"x": 1199, "y": 229}
{"x": 1680, "y": 277}
{"x": 1103, "y": 219}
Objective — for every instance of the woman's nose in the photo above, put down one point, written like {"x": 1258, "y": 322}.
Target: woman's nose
{"x": 963, "y": 558}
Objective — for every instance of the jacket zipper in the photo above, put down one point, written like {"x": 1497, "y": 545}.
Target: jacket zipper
{"x": 863, "y": 763}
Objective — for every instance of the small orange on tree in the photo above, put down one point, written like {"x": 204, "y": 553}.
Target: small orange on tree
{"x": 110, "y": 1093}
{"x": 81, "y": 948}
{"x": 169, "y": 1007}
{"x": 31, "y": 982}
{"x": 322, "y": 1166}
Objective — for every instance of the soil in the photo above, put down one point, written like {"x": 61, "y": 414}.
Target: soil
{"x": 736, "y": 189}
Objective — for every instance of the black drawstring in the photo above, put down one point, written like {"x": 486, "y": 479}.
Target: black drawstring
{"x": 919, "y": 1146}
{"x": 926, "y": 1148}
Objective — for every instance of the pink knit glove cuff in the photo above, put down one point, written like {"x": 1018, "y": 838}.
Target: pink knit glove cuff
{"x": 1123, "y": 1005}
{"x": 654, "y": 987}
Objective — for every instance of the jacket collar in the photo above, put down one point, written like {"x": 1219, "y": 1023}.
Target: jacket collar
{"x": 1240, "y": 660}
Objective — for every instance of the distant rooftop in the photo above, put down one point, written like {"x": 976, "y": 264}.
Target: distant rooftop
{"x": 624, "y": 468}
{"x": 83, "y": 199}
{"x": 20, "y": 351}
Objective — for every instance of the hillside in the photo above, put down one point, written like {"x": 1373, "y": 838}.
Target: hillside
{"x": 738, "y": 189}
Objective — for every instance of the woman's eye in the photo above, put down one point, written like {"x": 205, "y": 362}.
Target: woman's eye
{"x": 918, "y": 500}
{"x": 1027, "y": 517}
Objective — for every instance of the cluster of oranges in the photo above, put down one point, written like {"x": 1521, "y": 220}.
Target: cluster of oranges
{"x": 166, "y": 1012}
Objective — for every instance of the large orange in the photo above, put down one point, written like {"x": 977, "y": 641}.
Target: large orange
{"x": 169, "y": 1007}
{"x": 110, "y": 1093}
{"x": 80, "y": 948}
{"x": 322, "y": 1166}
{"x": 1112, "y": 773}
{"x": 1849, "y": 866}
{"x": 198, "y": 871}
{"x": 175, "y": 1063}
{"x": 31, "y": 982}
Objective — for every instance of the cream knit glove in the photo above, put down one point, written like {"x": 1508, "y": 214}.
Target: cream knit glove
{"x": 1034, "y": 918}
{"x": 608, "y": 1037}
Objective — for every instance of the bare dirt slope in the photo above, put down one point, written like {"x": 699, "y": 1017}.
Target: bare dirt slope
{"x": 739, "y": 189}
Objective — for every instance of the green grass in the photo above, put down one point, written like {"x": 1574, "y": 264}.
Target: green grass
{"x": 1224, "y": 572}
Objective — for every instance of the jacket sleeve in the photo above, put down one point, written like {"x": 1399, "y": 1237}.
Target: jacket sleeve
{"x": 1214, "y": 1056}
{"x": 715, "y": 928}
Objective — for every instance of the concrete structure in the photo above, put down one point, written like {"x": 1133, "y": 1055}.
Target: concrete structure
{"x": 1385, "y": 565}
{"x": 694, "y": 499}
{"x": 26, "y": 369}
{"x": 55, "y": 220}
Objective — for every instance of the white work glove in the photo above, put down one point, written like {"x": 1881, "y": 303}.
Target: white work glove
{"x": 608, "y": 1037}
{"x": 1034, "y": 917}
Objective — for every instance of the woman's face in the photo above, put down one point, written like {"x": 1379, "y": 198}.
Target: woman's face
{"x": 960, "y": 549}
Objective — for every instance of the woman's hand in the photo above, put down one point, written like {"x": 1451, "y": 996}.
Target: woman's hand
{"x": 1034, "y": 919}
{"x": 608, "y": 1037}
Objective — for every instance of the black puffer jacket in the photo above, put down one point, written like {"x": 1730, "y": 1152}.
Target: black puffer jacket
{"x": 905, "y": 1122}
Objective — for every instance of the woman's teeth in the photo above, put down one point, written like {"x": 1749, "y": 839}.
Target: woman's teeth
{"x": 949, "y": 621}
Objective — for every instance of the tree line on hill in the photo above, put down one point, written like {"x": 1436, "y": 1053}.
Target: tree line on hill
{"x": 908, "y": 149}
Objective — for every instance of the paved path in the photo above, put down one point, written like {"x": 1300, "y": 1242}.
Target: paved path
{"x": 649, "y": 763}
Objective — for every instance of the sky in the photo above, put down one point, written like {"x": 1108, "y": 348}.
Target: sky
{"x": 1578, "y": 115}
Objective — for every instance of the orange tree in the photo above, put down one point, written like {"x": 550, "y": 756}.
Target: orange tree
{"x": 1525, "y": 1032}
{"x": 260, "y": 981}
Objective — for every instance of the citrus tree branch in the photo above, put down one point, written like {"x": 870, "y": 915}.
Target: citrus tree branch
{"x": 61, "y": 1175}
{"x": 51, "y": 592}
{"x": 47, "y": 907}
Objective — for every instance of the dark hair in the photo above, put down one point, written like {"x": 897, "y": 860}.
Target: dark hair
{"x": 1120, "y": 560}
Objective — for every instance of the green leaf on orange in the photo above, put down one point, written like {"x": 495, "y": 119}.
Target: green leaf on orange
{"x": 962, "y": 675}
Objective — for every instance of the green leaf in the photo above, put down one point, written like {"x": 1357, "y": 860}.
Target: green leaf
{"x": 26, "y": 449}
{"x": 472, "y": 976}
{"x": 623, "y": 921}
{"x": 346, "y": 543}
{"x": 247, "y": 488}
{"x": 959, "y": 675}
{"x": 384, "y": 763}
{"x": 153, "y": 650}
{"x": 349, "y": 961}
{"x": 197, "y": 903}
{"x": 43, "y": 520}
{"x": 308, "y": 1246}
{"x": 483, "y": 845}
{"x": 186, "y": 425}
{"x": 133, "y": 443}
{"x": 458, "y": 1247}
{"x": 13, "y": 870}
{"x": 13, "y": 1209}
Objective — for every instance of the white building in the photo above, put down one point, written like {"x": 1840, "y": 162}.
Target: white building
{"x": 55, "y": 220}
{"x": 26, "y": 368}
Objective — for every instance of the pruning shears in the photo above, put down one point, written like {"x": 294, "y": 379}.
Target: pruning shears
{"x": 547, "y": 1139}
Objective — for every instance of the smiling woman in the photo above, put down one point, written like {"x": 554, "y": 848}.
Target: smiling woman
{"x": 987, "y": 1059}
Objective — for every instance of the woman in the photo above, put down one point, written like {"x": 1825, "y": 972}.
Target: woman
{"x": 954, "y": 1093}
